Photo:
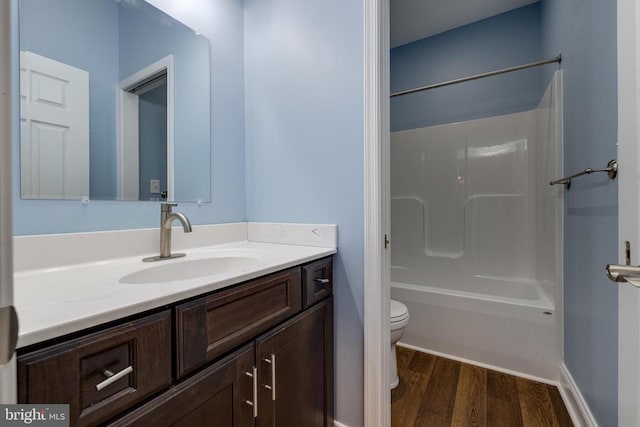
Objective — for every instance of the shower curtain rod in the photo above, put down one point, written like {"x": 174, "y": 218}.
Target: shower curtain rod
{"x": 557, "y": 59}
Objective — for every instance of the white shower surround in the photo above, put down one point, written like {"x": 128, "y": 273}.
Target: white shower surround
{"x": 477, "y": 237}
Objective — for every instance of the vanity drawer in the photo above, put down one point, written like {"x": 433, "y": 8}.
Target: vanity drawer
{"x": 209, "y": 327}
{"x": 134, "y": 356}
{"x": 317, "y": 281}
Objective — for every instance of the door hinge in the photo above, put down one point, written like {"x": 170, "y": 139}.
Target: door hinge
{"x": 8, "y": 333}
{"x": 386, "y": 241}
{"x": 627, "y": 252}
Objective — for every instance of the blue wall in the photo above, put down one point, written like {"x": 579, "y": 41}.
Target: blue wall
{"x": 84, "y": 39}
{"x": 505, "y": 40}
{"x": 304, "y": 136}
{"x": 222, "y": 21}
{"x": 585, "y": 32}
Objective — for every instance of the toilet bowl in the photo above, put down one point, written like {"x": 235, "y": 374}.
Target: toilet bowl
{"x": 399, "y": 319}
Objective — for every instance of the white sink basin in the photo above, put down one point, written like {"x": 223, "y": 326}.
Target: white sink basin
{"x": 189, "y": 269}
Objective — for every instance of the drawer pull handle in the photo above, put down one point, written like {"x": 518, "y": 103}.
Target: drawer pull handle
{"x": 323, "y": 281}
{"x": 272, "y": 362}
{"x": 254, "y": 404}
{"x": 112, "y": 378}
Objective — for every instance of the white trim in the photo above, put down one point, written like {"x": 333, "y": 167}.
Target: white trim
{"x": 166, "y": 63}
{"x": 8, "y": 386}
{"x": 628, "y": 157}
{"x": 6, "y": 127}
{"x": 574, "y": 401}
{"x": 480, "y": 364}
{"x": 127, "y": 145}
{"x": 377, "y": 394}
{"x": 339, "y": 424}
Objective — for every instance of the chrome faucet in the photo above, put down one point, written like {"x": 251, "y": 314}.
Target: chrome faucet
{"x": 166, "y": 219}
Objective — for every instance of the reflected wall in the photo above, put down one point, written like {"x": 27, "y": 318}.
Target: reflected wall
{"x": 222, "y": 22}
{"x": 112, "y": 40}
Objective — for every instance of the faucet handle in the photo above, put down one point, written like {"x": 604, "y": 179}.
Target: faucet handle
{"x": 166, "y": 207}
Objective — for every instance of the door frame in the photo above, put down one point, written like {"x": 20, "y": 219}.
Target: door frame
{"x": 8, "y": 375}
{"x": 628, "y": 208}
{"x": 127, "y": 129}
{"x": 377, "y": 262}
{"x": 376, "y": 144}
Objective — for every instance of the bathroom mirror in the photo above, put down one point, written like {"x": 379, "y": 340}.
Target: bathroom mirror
{"x": 114, "y": 103}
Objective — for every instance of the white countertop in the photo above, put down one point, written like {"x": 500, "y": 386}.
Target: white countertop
{"x": 52, "y": 302}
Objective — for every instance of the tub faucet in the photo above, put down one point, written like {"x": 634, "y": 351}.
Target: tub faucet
{"x": 166, "y": 219}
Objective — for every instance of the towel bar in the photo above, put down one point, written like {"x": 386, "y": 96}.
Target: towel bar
{"x": 611, "y": 170}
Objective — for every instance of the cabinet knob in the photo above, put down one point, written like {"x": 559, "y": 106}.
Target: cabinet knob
{"x": 321, "y": 280}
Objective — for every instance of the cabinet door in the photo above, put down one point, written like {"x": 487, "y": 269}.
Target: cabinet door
{"x": 296, "y": 371}
{"x": 219, "y": 396}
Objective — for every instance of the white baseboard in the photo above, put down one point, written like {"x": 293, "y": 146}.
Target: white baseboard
{"x": 338, "y": 424}
{"x": 574, "y": 401}
{"x": 480, "y": 364}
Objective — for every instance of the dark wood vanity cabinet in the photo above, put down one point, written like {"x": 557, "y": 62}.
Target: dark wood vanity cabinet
{"x": 256, "y": 354}
{"x": 294, "y": 382}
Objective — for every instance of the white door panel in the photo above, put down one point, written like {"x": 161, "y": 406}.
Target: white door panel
{"x": 8, "y": 386}
{"x": 628, "y": 210}
{"x": 54, "y": 145}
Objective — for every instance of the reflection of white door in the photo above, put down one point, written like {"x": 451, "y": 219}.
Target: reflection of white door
{"x": 54, "y": 125}
{"x": 629, "y": 209}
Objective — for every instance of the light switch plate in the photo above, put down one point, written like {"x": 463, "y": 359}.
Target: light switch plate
{"x": 155, "y": 186}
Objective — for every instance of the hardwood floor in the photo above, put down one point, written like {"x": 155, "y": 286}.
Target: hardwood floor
{"x": 438, "y": 392}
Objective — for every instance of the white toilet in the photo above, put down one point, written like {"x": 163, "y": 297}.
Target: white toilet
{"x": 399, "y": 320}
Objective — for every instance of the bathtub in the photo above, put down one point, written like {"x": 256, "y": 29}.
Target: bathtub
{"x": 510, "y": 327}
